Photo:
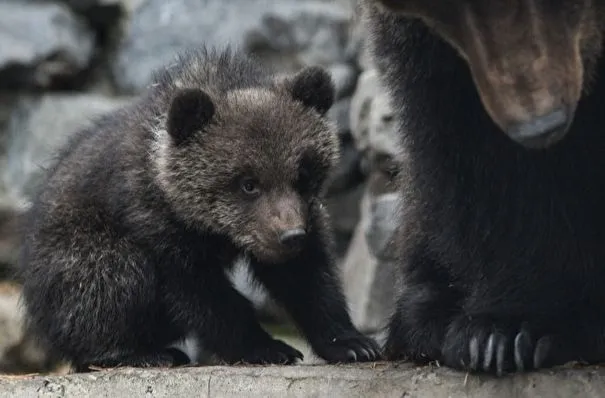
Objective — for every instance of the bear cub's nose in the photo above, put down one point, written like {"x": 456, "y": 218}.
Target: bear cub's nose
{"x": 292, "y": 237}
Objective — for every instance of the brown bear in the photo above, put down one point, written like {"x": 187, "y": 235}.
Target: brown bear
{"x": 129, "y": 239}
{"x": 502, "y": 234}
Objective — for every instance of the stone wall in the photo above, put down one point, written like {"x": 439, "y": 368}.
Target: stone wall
{"x": 62, "y": 62}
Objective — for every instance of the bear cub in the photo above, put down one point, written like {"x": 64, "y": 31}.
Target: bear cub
{"x": 128, "y": 242}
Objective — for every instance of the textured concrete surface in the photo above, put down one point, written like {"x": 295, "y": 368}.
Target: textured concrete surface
{"x": 368, "y": 380}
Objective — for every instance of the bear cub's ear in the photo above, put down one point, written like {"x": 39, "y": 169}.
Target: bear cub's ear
{"x": 313, "y": 87}
{"x": 190, "y": 111}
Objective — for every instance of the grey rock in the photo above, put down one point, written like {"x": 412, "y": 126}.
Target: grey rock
{"x": 368, "y": 273}
{"x": 383, "y": 134}
{"x": 361, "y": 107}
{"x": 37, "y": 127}
{"x": 284, "y": 33}
{"x": 314, "y": 33}
{"x": 41, "y": 41}
{"x": 339, "y": 114}
{"x": 359, "y": 49}
{"x": 351, "y": 381}
{"x": 345, "y": 78}
{"x": 368, "y": 269}
{"x": 383, "y": 222}
{"x": 368, "y": 282}
{"x": 373, "y": 123}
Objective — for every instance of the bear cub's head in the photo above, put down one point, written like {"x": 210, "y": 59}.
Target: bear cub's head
{"x": 530, "y": 59}
{"x": 250, "y": 163}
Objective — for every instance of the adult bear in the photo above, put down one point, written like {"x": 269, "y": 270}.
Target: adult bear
{"x": 502, "y": 236}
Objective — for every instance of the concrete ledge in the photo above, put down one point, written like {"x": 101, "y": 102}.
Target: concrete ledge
{"x": 371, "y": 380}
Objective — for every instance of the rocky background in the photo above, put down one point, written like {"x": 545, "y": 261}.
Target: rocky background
{"x": 63, "y": 62}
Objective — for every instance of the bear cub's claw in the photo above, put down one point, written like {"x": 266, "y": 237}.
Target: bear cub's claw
{"x": 349, "y": 347}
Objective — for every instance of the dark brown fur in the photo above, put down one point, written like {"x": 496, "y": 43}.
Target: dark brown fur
{"x": 501, "y": 248}
{"x": 128, "y": 242}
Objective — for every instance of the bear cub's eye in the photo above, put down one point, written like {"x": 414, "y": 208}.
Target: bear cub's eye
{"x": 250, "y": 186}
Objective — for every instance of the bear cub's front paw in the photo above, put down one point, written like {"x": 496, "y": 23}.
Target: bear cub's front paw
{"x": 271, "y": 352}
{"x": 351, "y": 346}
